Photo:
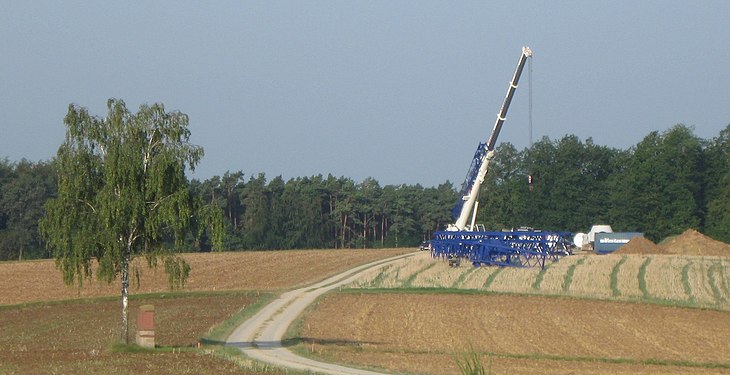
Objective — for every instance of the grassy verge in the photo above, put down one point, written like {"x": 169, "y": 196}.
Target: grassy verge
{"x": 220, "y": 332}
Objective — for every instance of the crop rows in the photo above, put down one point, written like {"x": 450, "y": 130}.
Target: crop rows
{"x": 671, "y": 279}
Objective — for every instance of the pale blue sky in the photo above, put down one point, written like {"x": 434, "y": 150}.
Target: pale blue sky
{"x": 398, "y": 90}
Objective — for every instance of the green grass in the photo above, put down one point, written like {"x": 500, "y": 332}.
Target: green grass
{"x": 614, "y": 276}
{"x": 685, "y": 281}
{"x": 642, "y": 278}
{"x": 725, "y": 280}
{"x": 491, "y": 278}
{"x": 569, "y": 274}
{"x": 716, "y": 269}
{"x": 540, "y": 276}
{"x": 378, "y": 280}
{"x": 219, "y": 333}
{"x": 470, "y": 364}
{"x": 463, "y": 277}
{"x": 409, "y": 282}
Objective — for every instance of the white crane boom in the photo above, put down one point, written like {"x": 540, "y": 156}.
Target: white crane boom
{"x": 484, "y": 156}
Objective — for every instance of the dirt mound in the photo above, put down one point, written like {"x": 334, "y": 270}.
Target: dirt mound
{"x": 640, "y": 245}
{"x": 692, "y": 242}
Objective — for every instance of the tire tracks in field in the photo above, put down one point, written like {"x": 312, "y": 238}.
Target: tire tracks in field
{"x": 260, "y": 336}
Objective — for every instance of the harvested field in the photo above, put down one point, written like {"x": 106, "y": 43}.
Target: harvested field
{"x": 409, "y": 337}
{"x": 592, "y": 278}
{"x": 650, "y": 278}
{"x": 627, "y": 280}
{"x": 514, "y": 280}
{"x": 73, "y": 337}
{"x": 30, "y": 281}
{"x": 553, "y": 280}
{"x": 515, "y": 334}
{"x": 664, "y": 277}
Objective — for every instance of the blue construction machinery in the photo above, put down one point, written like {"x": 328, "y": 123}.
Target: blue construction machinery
{"x": 524, "y": 247}
{"x": 515, "y": 248}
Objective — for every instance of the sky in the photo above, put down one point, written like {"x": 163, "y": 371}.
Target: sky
{"x": 400, "y": 91}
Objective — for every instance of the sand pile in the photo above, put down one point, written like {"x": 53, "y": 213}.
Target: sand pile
{"x": 692, "y": 242}
{"x": 640, "y": 245}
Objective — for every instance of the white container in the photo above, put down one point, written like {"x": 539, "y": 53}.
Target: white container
{"x": 598, "y": 229}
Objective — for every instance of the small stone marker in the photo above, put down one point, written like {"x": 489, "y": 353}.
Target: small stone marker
{"x": 146, "y": 326}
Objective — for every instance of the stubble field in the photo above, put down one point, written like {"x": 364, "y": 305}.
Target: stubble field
{"x": 622, "y": 313}
{"x": 414, "y": 333}
{"x": 645, "y": 310}
{"x": 32, "y": 281}
{"x": 48, "y": 328}
{"x": 685, "y": 280}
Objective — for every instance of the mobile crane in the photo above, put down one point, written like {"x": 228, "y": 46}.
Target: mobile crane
{"x": 467, "y": 207}
{"x": 465, "y": 239}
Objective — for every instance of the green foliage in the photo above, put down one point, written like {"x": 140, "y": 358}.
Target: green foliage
{"x": 24, "y": 188}
{"x": 660, "y": 191}
{"x": 665, "y": 184}
{"x": 121, "y": 189}
{"x": 470, "y": 364}
{"x": 122, "y": 193}
{"x": 717, "y": 187}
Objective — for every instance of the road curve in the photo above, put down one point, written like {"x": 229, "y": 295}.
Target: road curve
{"x": 260, "y": 336}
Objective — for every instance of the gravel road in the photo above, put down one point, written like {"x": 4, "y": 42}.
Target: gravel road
{"x": 260, "y": 336}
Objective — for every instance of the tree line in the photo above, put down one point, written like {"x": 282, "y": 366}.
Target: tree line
{"x": 668, "y": 182}
{"x": 665, "y": 184}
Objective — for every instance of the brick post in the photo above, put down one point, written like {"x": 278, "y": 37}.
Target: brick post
{"x": 146, "y": 326}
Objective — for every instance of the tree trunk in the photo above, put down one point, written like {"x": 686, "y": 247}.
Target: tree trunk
{"x": 125, "y": 297}
{"x": 344, "y": 226}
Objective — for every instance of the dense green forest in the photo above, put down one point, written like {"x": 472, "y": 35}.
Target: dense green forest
{"x": 670, "y": 181}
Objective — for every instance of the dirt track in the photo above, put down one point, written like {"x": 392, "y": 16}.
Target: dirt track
{"x": 260, "y": 336}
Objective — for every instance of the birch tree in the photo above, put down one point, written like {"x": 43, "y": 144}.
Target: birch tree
{"x": 122, "y": 194}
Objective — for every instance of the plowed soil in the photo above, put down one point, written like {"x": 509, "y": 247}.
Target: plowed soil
{"x": 427, "y": 334}
{"x": 73, "y": 337}
{"x": 31, "y": 281}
